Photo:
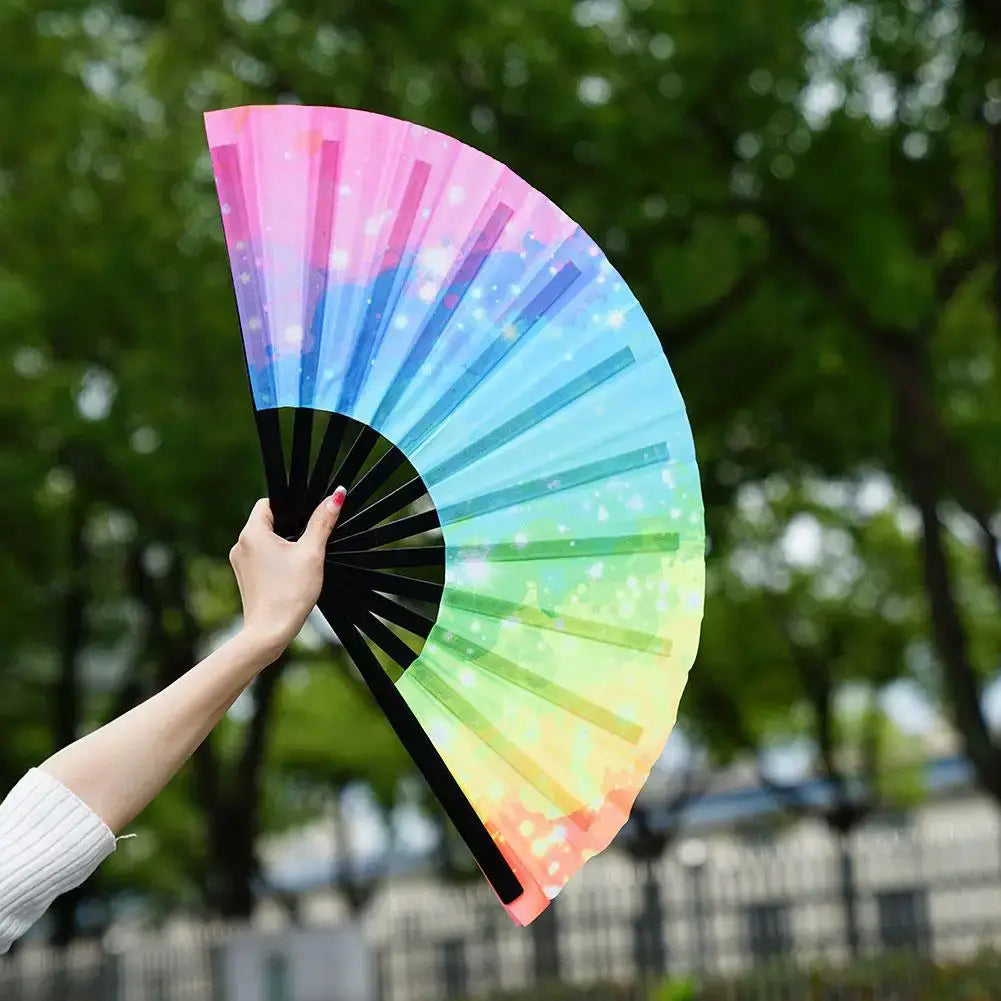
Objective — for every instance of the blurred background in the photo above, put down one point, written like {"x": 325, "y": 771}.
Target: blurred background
{"x": 806, "y": 196}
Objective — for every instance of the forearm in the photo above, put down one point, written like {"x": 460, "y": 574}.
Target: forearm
{"x": 120, "y": 768}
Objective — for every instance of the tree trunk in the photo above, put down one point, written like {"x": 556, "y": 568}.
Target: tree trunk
{"x": 67, "y": 696}
{"x": 357, "y": 891}
{"x": 233, "y": 866}
{"x": 648, "y": 927}
{"x": 948, "y": 629}
{"x": 546, "y": 946}
{"x": 849, "y": 894}
{"x": 232, "y": 807}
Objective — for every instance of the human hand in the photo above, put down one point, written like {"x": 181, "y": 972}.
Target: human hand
{"x": 279, "y": 580}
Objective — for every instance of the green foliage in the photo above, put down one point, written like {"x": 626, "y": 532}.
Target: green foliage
{"x": 899, "y": 976}
{"x": 903, "y": 976}
{"x": 559, "y": 991}
{"x": 676, "y": 990}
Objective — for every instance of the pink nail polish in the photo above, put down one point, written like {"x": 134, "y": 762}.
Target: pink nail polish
{"x": 338, "y": 498}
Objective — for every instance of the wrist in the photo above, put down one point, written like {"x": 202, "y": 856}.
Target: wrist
{"x": 259, "y": 649}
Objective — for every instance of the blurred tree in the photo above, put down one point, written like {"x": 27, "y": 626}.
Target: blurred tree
{"x": 887, "y": 222}
{"x": 806, "y": 196}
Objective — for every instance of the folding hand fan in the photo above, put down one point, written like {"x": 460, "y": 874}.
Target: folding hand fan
{"x": 518, "y": 573}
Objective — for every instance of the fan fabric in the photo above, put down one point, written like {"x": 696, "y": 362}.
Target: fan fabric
{"x": 396, "y": 276}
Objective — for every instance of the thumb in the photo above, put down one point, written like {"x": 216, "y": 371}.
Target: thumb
{"x": 323, "y": 519}
{"x": 261, "y": 519}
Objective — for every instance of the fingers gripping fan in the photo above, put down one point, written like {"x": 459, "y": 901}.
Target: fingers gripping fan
{"x": 518, "y": 572}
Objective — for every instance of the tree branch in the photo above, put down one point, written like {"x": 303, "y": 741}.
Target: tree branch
{"x": 681, "y": 334}
{"x": 899, "y": 355}
{"x": 954, "y": 274}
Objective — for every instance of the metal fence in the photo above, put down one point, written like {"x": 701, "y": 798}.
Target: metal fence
{"x": 91, "y": 973}
{"x": 715, "y": 920}
{"x": 741, "y": 922}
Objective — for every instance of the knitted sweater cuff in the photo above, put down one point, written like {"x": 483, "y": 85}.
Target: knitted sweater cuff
{"x": 50, "y": 842}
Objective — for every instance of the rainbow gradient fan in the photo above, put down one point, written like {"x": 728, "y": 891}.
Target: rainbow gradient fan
{"x": 518, "y": 573}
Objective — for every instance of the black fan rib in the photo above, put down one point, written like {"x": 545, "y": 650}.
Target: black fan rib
{"x": 384, "y": 569}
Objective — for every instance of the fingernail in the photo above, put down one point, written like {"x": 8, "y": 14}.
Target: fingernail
{"x": 337, "y": 498}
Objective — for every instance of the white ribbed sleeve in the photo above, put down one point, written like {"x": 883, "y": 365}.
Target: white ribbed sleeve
{"x": 50, "y": 842}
